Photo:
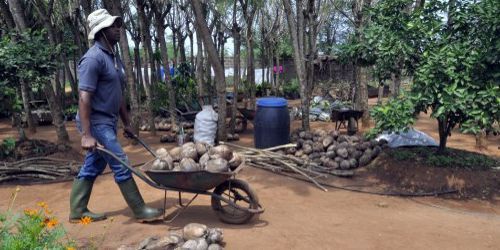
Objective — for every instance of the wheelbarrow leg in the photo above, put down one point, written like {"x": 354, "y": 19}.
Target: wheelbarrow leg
{"x": 181, "y": 209}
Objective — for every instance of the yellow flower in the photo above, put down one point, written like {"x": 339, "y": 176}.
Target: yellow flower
{"x": 30, "y": 212}
{"x": 85, "y": 220}
{"x": 42, "y": 204}
{"x": 47, "y": 211}
{"x": 70, "y": 248}
{"x": 52, "y": 223}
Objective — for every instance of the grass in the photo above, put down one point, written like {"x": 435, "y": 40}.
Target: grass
{"x": 452, "y": 158}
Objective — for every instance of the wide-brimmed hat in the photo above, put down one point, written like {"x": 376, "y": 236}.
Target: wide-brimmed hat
{"x": 99, "y": 20}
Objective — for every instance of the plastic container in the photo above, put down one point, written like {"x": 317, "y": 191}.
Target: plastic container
{"x": 271, "y": 123}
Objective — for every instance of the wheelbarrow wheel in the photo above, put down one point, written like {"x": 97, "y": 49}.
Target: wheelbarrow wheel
{"x": 238, "y": 192}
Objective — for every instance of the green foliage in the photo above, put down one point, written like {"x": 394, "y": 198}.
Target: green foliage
{"x": 262, "y": 88}
{"x": 9, "y": 100}
{"x": 29, "y": 58}
{"x": 397, "y": 115}
{"x": 292, "y": 88}
{"x": 455, "y": 62}
{"x": 34, "y": 229}
{"x": 7, "y": 147}
{"x": 184, "y": 85}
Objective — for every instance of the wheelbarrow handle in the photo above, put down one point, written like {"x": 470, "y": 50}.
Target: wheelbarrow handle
{"x": 146, "y": 146}
{"x": 126, "y": 165}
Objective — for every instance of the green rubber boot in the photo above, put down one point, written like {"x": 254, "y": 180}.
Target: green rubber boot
{"x": 79, "y": 199}
{"x": 134, "y": 200}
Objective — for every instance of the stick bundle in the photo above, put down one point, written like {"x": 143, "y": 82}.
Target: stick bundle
{"x": 38, "y": 168}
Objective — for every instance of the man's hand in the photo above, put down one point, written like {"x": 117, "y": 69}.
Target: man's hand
{"x": 89, "y": 142}
{"x": 128, "y": 132}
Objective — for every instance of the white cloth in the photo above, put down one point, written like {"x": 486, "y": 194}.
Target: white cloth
{"x": 205, "y": 125}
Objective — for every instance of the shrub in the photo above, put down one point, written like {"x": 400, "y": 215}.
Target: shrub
{"x": 33, "y": 229}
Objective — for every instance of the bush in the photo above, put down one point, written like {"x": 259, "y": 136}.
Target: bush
{"x": 7, "y": 148}
{"x": 33, "y": 229}
{"x": 291, "y": 90}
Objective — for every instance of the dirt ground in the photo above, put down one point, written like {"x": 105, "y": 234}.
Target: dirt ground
{"x": 297, "y": 216}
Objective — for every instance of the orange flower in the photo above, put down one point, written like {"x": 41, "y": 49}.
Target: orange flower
{"x": 42, "y": 204}
{"x": 30, "y": 212}
{"x": 85, "y": 220}
{"x": 47, "y": 211}
{"x": 51, "y": 223}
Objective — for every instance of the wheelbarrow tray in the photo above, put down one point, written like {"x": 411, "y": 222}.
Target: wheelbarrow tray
{"x": 196, "y": 181}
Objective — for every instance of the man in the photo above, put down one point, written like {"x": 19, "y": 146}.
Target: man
{"x": 101, "y": 102}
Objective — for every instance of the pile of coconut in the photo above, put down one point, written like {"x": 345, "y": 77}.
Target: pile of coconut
{"x": 333, "y": 150}
{"x": 193, "y": 236}
{"x": 197, "y": 156}
{"x": 165, "y": 124}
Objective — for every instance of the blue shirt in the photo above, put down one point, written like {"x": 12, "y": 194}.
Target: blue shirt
{"x": 105, "y": 78}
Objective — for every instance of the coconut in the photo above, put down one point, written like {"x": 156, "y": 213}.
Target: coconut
{"x": 217, "y": 165}
{"x": 189, "y": 152}
{"x": 342, "y": 152}
{"x": 364, "y": 160}
{"x": 302, "y": 134}
{"x": 332, "y": 164}
{"x": 236, "y": 137}
{"x": 342, "y": 138}
{"x": 194, "y": 230}
{"x": 201, "y": 148}
{"x": 159, "y": 164}
{"x": 161, "y": 152}
{"x": 314, "y": 155}
{"x": 353, "y": 163}
{"x": 176, "y": 153}
{"x": 292, "y": 150}
{"x": 215, "y": 235}
{"x": 235, "y": 161}
{"x": 345, "y": 164}
{"x": 299, "y": 153}
{"x": 189, "y": 165}
{"x": 203, "y": 160}
{"x": 327, "y": 141}
{"x": 331, "y": 154}
{"x": 229, "y": 137}
{"x": 307, "y": 149}
{"x": 332, "y": 148}
{"x": 222, "y": 150}
{"x": 376, "y": 150}
{"x": 214, "y": 246}
{"x": 318, "y": 147}
{"x": 338, "y": 159}
{"x": 334, "y": 134}
{"x": 357, "y": 154}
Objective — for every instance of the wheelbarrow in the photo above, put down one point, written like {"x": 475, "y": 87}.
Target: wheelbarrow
{"x": 233, "y": 200}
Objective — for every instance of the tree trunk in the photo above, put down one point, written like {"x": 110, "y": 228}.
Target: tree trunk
{"x": 443, "y": 134}
{"x": 396, "y": 83}
{"x": 380, "y": 92}
{"x": 17, "y": 13}
{"x": 7, "y": 16}
{"x": 236, "y": 69}
{"x": 296, "y": 27}
{"x": 72, "y": 80}
{"x": 219, "y": 72}
{"x": 360, "y": 74}
{"x": 250, "y": 64}
{"x": 127, "y": 60}
{"x": 57, "y": 117}
{"x": 164, "y": 56}
{"x": 362, "y": 91}
{"x": 146, "y": 41}
{"x": 199, "y": 64}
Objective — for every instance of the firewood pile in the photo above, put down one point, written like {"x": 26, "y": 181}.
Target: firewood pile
{"x": 38, "y": 169}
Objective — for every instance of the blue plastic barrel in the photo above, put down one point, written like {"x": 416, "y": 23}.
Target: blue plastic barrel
{"x": 271, "y": 123}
